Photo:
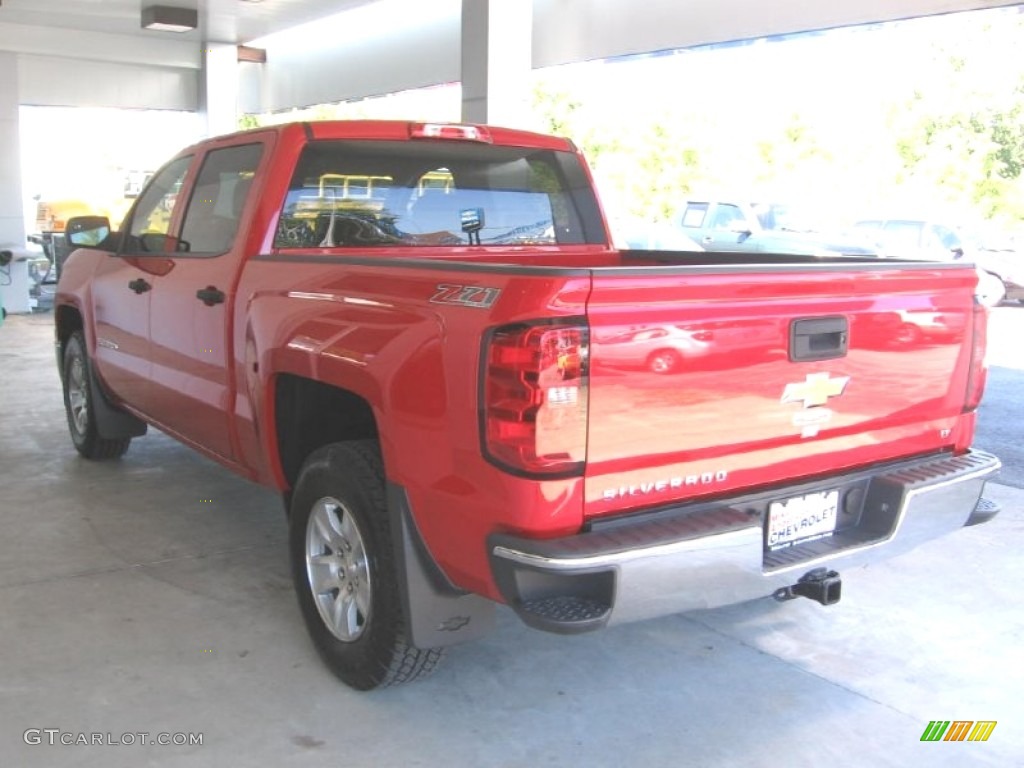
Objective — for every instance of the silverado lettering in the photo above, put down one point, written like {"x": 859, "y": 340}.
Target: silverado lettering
{"x": 600, "y": 440}
{"x": 659, "y": 486}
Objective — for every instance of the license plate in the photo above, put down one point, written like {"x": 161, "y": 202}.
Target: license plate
{"x": 801, "y": 518}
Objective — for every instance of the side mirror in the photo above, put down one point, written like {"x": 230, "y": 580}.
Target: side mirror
{"x": 87, "y": 231}
{"x": 740, "y": 228}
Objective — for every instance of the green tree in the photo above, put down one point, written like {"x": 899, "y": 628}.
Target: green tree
{"x": 963, "y": 136}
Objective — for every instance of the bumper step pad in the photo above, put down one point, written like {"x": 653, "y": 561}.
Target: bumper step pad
{"x": 567, "y": 610}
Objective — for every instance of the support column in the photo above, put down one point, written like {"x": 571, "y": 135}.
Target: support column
{"x": 497, "y": 59}
{"x": 219, "y": 102}
{"x": 14, "y": 276}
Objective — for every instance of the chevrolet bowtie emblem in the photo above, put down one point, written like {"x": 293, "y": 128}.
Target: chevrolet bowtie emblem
{"x": 816, "y": 389}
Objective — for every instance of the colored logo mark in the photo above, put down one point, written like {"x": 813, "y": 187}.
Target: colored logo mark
{"x": 958, "y": 730}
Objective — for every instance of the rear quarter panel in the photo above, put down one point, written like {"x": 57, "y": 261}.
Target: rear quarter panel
{"x": 381, "y": 331}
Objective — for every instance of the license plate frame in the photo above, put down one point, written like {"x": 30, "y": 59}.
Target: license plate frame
{"x": 801, "y": 519}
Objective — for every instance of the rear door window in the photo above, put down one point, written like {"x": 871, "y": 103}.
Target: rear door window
{"x": 211, "y": 219}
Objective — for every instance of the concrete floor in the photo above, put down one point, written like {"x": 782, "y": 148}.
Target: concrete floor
{"x": 152, "y": 595}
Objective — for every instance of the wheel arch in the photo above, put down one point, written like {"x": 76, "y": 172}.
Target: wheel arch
{"x": 67, "y": 318}
{"x": 112, "y": 422}
{"x": 309, "y": 414}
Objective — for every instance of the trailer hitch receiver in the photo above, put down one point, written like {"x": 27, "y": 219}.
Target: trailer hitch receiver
{"x": 821, "y": 585}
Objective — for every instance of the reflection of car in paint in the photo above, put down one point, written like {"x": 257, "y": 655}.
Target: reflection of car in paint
{"x": 673, "y": 348}
{"x": 661, "y": 349}
{"x": 917, "y": 325}
{"x": 911, "y": 327}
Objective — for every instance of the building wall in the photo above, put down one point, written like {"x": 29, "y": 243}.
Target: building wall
{"x": 64, "y": 67}
{"x": 52, "y": 81}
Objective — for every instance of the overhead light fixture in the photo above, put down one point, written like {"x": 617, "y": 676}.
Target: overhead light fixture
{"x": 167, "y": 18}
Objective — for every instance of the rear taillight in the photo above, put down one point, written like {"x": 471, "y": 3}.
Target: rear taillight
{"x": 979, "y": 369}
{"x": 533, "y": 398}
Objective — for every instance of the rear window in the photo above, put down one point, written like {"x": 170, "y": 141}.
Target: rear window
{"x": 436, "y": 193}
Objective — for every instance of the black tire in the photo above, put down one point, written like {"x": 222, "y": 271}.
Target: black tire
{"x": 340, "y": 539}
{"x": 78, "y": 405}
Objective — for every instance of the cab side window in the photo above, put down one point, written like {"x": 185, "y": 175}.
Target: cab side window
{"x": 151, "y": 218}
{"x": 211, "y": 219}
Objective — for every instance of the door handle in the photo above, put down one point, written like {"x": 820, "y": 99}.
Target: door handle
{"x": 139, "y": 285}
{"x": 818, "y": 338}
{"x": 210, "y": 296}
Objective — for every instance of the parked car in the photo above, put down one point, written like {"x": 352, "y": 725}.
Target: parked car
{"x": 1001, "y": 256}
{"x": 661, "y": 349}
{"x": 631, "y": 233}
{"x": 912, "y": 238}
{"x": 1001, "y": 270}
{"x": 741, "y": 226}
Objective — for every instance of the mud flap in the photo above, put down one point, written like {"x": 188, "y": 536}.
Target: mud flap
{"x": 437, "y": 613}
{"x": 111, "y": 422}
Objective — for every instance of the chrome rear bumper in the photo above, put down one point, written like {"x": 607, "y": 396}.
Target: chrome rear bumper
{"x": 704, "y": 556}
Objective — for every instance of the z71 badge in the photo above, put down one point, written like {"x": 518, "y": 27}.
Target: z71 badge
{"x": 466, "y": 295}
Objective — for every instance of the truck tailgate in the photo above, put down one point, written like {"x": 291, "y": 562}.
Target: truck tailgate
{"x": 712, "y": 380}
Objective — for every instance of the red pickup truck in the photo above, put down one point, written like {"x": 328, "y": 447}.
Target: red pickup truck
{"x": 421, "y": 337}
